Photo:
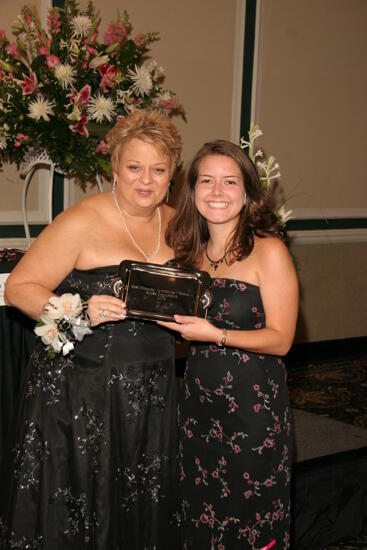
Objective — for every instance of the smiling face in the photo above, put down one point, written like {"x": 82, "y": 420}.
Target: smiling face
{"x": 219, "y": 191}
{"x": 143, "y": 177}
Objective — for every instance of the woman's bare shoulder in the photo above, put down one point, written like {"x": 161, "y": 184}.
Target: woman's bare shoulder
{"x": 85, "y": 212}
{"x": 273, "y": 258}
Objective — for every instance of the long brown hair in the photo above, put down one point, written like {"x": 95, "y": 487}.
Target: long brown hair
{"x": 188, "y": 230}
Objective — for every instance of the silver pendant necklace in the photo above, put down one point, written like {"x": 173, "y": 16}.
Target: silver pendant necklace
{"x": 147, "y": 258}
{"x": 214, "y": 263}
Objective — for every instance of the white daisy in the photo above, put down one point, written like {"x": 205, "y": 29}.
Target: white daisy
{"x": 65, "y": 74}
{"x": 142, "y": 80}
{"x": 41, "y": 108}
{"x": 101, "y": 107}
{"x": 81, "y": 25}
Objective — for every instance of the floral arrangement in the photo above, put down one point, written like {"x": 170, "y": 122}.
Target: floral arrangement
{"x": 63, "y": 322}
{"x": 61, "y": 89}
{"x": 267, "y": 168}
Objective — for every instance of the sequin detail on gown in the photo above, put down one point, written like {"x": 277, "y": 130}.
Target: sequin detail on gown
{"x": 92, "y": 462}
{"x": 235, "y": 431}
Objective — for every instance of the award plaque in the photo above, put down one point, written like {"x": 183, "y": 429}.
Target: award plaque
{"x": 158, "y": 292}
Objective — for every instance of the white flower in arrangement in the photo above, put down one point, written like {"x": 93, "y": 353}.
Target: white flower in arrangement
{"x": 285, "y": 215}
{"x": 268, "y": 168}
{"x": 65, "y": 74}
{"x": 3, "y": 140}
{"x": 142, "y": 78}
{"x": 49, "y": 333}
{"x": 81, "y": 25}
{"x": 68, "y": 305}
{"x": 123, "y": 96}
{"x": 41, "y": 108}
{"x": 101, "y": 107}
{"x": 44, "y": 71}
{"x": 98, "y": 61}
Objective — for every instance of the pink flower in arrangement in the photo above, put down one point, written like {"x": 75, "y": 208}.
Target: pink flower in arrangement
{"x": 20, "y": 138}
{"x": 168, "y": 104}
{"x": 237, "y": 449}
{"x": 43, "y": 50}
{"x": 197, "y": 481}
{"x": 52, "y": 60}
{"x": 109, "y": 74}
{"x": 139, "y": 39}
{"x": 80, "y": 98}
{"x": 13, "y": 50}
{"x": 102, "y": 147}
{"x": 30, "y": 83}
{"x": 257, "y": 407}
{"x": 53, "y": 22}
{"x": 80, "y": 126}
{"x": 117, "y": 31}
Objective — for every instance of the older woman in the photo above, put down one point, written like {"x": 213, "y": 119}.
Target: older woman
{"x": 92, "y": 463}
{"x": 235, "y": 419}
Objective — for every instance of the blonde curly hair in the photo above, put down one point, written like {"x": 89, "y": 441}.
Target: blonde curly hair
{"x": 149, "y": 126}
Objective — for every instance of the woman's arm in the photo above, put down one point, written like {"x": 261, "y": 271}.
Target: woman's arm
{"x": 279, "y": 293}
{"x": 52, "y": 256}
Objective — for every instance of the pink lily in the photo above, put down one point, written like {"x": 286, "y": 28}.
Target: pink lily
{"x": 29, "y": 84}
{"x": 80, "y": 98}
{"x": 80, "y": 126}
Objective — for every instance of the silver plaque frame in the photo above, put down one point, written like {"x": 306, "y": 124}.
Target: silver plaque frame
{"x": 157, "y": 292}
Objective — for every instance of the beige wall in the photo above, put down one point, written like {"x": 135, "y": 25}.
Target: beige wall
{"x": 310, "y": 101}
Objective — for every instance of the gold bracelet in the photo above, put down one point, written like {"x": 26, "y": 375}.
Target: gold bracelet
{"x": 222, "y": 341}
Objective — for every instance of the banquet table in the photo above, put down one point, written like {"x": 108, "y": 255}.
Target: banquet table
{"x": 16, "y": 344}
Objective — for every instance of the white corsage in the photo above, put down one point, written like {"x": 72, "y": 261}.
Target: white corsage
{"x": 63, "y": 322}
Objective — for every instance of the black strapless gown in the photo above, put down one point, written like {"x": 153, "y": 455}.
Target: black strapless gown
{"x": 236, "y": 436}
{"x": 92, "y": 461}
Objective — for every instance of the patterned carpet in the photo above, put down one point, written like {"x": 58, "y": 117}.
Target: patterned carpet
{"x": 336, "y": 388}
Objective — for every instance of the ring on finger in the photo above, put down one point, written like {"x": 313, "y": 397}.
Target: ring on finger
{"x": 103, "y": 314}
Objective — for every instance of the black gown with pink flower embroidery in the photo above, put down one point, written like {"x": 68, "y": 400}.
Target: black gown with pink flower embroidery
{"x": 236, "y": 436}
